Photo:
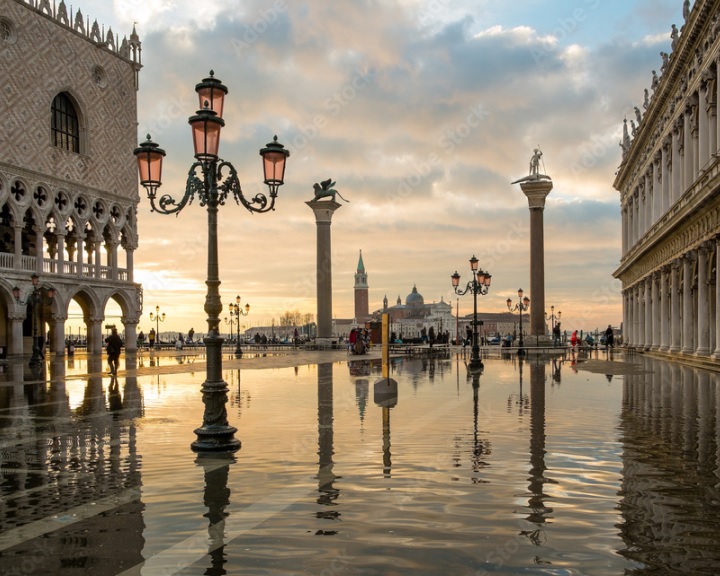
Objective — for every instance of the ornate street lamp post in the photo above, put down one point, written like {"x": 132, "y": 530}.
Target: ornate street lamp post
{"x": 522, "y": 306}
{"x": 35, "y": 299}
{"x": 213, "y": 180}
{"x": 552, "y": 319}
{"x": 236, "y": 311}
{"x": 157, "y": 318}
{"x": 480, "y": 284}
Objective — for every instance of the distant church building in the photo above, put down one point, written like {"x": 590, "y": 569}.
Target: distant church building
{"x": 68, "y": 177}
{"x": 669, "y": 184}
{"x": 362, "y": 305}
{"x": 408, "y": 320}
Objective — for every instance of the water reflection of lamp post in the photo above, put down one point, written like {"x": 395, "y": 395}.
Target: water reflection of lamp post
{"x": 480, "y": 284}
{"x": 236, "y": 311}
{"x": 523, "y": 400}
{"x": 212, "y": 180}
{"x": 522, "y": 305}
{"x": 157, "y": 318}
{"x": 35, "y": 300}
{"x": 216, "y": 497}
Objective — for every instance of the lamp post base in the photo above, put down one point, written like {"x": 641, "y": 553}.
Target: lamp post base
{"x": 215, "y": 434}
{"x": 238, "y": 350}
{"x": 216, "y": 439}
{"x": 475, "y": 366}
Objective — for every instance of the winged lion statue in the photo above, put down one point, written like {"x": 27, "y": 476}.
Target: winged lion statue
{"x": 325, "y": 190}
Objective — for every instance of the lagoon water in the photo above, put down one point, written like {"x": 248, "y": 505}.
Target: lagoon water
{"x": 601, "y": 467}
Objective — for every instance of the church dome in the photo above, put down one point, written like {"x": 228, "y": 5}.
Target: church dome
{"x": 414, "y": 298}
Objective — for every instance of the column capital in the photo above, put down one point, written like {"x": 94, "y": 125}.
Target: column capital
{"x": 323, "y": 210}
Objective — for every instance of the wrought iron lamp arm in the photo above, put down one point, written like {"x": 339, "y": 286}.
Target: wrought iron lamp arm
{"x": 231, "y": 185}
{"x": 474, "y": 288}
{"x": 166, "y": 204}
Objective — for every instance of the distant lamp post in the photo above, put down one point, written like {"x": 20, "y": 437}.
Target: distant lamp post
{"x": 522, "y": 306}
{"x": 37, "y": 298}
{"x": 236, "y": 310}
{"x": 480, "y": 284}
{"x": 213, "y": 180}
{"x": 157, "y": 318}
{"x": 553, "y": 316}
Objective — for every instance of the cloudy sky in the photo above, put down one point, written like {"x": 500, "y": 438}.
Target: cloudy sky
{"x": 423, "y": 113}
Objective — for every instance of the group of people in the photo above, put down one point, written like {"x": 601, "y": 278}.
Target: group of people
{"x": 359, "y": 341}
{"x": 577, "y": 341}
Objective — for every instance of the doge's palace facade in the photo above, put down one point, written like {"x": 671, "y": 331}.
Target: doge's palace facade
{"x": 669, "y": 184}
{"x": 68, "y": 181}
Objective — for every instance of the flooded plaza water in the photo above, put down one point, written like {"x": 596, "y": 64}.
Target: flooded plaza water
{"x": 573, "y": 466}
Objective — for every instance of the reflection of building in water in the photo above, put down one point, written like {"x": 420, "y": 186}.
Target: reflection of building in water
{"x": 670, "y": 434}
{"x": 70, "y": 481}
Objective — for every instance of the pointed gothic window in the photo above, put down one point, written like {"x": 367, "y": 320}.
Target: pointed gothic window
{"x": 65, "y": 125}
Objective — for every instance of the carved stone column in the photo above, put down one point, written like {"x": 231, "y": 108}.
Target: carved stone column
{"x": 18, "y": 229}
{"x": 57, "y": 334}
{"x": 324, "y": 210}
{"x": 647, "y": 343}
{"x": 94, "y": 340}
{"x": 61, "y": 252}
{"x": 624, "y": 228}
{"x": 536, "y": 191}
{"x": 657, "y": 300}
{"x": 130, "y": 325}
{"x": 716, "y": 354}
{"x": 703, "y": 347}
{"x": 665, "y": 183}
{"x": 676, "y": 175}
{"x": 664, "y": 309}
{"x": 675, "y": 342}
{"x": 688, "y": 339}
{"x": 80, "y": 254}
{"x": 703, "y": 128}
{"x": 688, "y": 177}
{"x": 657, "y": 185}
{"x": 39, "y": 238}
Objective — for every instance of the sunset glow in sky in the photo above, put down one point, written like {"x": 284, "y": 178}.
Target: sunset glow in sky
{"x": 423, "y": 113}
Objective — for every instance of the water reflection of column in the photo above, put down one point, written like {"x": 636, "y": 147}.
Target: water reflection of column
{"x": 385, "y": 395}
{"x": 536, "y": 502}
{"x": 327, "y": 493}
{"x": 216, "y": 497}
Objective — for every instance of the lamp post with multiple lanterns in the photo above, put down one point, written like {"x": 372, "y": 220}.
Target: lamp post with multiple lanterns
{"x": 522, "y": 305}
{"x": 213, "y": 180}
{"x": 37, "y": 298}
{"x": 236, "y": 312}
{"x": 157, "y": 318}
{"x": 553, "y": 317}
{"x": 480, "y": 284}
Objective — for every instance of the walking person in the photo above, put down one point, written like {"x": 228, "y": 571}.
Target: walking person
{"x": 609, "y": 337}
{"x": 114, "y": 345}
{"x": 574, "y": 340}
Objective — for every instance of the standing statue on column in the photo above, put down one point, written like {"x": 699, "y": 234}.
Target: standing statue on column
{"x": 535, "y": 173}
{"x": 535, "y": 162}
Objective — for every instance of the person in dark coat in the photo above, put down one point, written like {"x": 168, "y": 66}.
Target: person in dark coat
{"x": 114, "y": 346}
